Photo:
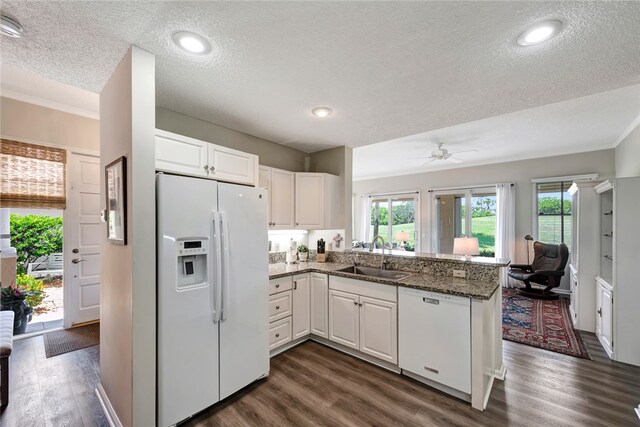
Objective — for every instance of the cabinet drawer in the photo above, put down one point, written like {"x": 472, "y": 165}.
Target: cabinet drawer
{"x": 280, "y": 306}
{"x": 279, "y": 285}
{"x": 279, "y": 332}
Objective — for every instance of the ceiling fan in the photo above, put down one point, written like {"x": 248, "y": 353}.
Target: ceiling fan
{"x": 444, "y": 154}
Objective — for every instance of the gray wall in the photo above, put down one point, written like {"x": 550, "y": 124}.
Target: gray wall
{"x": 521, "y": 173}
{"x": 26, "y": 122}
{"x": 338, "y": 161}
{"x": 270, "y": 153}
{"x": 128, "y": 288}
{"x": 628, "y": 155}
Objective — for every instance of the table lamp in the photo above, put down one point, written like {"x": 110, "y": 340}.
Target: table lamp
{"x": 466, "y": 246}
{"x": 402, "y": 236}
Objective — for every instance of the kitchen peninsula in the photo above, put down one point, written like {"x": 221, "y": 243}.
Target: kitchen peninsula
{"x": 419, "y": 321}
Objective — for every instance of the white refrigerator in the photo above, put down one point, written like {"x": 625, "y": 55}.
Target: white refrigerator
{"x": 212, "y": 293}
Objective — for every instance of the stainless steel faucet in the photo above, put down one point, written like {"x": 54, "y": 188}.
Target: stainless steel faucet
{"x": 373, "y": 244}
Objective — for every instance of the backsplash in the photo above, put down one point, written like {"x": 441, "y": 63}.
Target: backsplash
{"x": 439, "y": 267}
{"x": 276, "y": 257}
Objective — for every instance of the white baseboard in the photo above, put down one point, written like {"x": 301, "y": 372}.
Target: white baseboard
{"x": 105, "y": 404}
{"x": 487, "y": 394}
{"x": 501, "y": 373}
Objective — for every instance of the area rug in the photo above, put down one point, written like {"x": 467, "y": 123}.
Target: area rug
{"x": 60, "y": 342}
{"x": 540, "y": 323}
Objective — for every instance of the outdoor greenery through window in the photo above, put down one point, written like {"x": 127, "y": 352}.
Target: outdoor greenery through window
{"x": 394, "y": 219}
{"x": 554, "y": 212}
{"x": 454, "y": 219}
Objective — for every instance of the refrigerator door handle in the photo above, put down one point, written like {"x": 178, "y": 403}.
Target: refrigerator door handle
{"x": 217, "y": 284}
{"x": 225, "y": 265}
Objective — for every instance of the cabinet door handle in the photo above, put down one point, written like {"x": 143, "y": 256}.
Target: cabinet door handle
{"x": 360, "y": 304}
{"x": 277, "y": 285}
{"x": 295, "y": 285}
{"x": 212, "y": 169}
{"x": 277, "y": 307}
{"x": 277, "y": 335}
{"x": 600, "y": 311}
{"x": 431, "y": 301}
{"x": 355, "y": 303}
{"x": 206, "y": 168}
{"x": 297, "y": 223}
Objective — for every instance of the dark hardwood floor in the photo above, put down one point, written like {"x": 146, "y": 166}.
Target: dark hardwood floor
{"x": 58, "y": 391}
{"x": 314, "y": 385}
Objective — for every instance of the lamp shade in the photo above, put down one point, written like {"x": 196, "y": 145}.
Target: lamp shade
{"x": 402, "y": 236}
{"x": 466, "y": 246}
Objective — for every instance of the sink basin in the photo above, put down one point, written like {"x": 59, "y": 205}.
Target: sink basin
{"x": 375, "y": 272}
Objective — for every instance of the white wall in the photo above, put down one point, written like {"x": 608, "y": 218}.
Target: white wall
{"x": 26, "y": 122}
{"x": 628, "y": 155}
{"x": 270, "y": 153}
{"x": 128, "y": 288}
{"x": 520, "y": 173}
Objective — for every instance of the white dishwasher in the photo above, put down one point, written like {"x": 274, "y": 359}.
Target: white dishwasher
{"x": 435, "y": 337}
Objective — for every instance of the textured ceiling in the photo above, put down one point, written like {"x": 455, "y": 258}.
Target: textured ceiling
{"x": 589, "y": 123}
{"x": 388, "y": 69}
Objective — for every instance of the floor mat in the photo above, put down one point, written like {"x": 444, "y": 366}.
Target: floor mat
{"x": 541, "y": 323}
{"x": 60, "y": 342}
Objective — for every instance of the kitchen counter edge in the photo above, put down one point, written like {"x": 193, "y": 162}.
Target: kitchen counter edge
{"x": 427, "y": 282}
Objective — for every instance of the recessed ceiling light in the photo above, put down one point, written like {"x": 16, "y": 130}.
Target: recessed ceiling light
{"x": 321, "y": 111}
{"x": 539, "y": 32}
{"x": 10, "y": 27}
{"x": 192, "y": 43}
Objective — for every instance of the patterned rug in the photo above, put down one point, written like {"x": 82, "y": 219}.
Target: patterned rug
{"x": 540, "y": 323}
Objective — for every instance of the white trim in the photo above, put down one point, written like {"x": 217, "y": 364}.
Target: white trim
{"x": 53, "y": 105}
{"x": 415, "y": 195}
{"x": 637, "y": 411}
{"x": 583, "y": 177}
{"x": 634, "y": 124}
{"x": 487, "y": 393}
{"x": 501, "y": 374}
{"x": 387, "y": 195}
{"x": 107, "y": 408}
{"x": 468, "y": 187}
{"x": 604, "y": 186}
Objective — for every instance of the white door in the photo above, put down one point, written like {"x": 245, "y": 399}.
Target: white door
{"x": 301, "y": 306}
{"x": 244, "y": 330}
{"x": 379, "y": 328}
{"x": 181, "y": 154}
{"x": 82, "y": 243}
{"x": 309, "y": 201}
{"x": 281, "y": 194}
{"x": 231, "y": 165}
{"x": 344, "y": 318}
{"x": 607, "y": 320}
{"x": 264, "y": 181}
{"x": 319, "y": 305}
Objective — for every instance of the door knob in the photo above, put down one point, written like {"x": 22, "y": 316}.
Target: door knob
{"x": 75, "y": 251}
{"x": 76, "y": 260}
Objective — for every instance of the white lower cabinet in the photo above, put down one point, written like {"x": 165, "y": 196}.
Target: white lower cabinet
{"x": 344, "y": 319}
{"x": 604, "y": 316}
{"x": 301, "y": 306}
{"x": 319, "y": 304}
{"x": 280, "y": 332}
{"x": 362, "y": 322}
{"x": 435, "y": 337}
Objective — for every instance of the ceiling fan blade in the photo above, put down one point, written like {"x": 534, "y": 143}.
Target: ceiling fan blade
{"x": 464, "y": 151}
{"x": 454, "y": 160}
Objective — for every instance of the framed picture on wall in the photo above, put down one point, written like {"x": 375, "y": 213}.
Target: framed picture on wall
{"x": 116, "y": 190}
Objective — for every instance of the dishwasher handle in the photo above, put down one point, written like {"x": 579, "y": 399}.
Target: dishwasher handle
{"x": 431, "y": 301}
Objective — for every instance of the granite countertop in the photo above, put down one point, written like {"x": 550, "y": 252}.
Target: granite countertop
{"x": 497, "y": 262}
{"x": 428, "y": 282}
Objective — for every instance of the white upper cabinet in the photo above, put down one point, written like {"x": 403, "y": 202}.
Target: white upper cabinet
{"x": 280, "y": 184}
{"x": 188, "y": 156}
{"x": 317, "y": 201}
{"x": 181, "y": 154}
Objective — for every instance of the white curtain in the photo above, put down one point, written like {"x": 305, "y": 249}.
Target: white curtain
{"x": 505, "y": 228}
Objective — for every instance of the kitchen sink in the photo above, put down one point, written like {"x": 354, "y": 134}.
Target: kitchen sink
{"x": 375, "y": 272}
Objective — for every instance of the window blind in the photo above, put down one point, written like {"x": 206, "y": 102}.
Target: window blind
{"x": 32, "y": 176}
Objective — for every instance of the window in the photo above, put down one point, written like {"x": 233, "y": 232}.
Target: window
{"x": 553, "y": 210}
{"x": 465, "y": 213}
{"x": 32, "y": 176}
{"x": 393, "y": 217}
